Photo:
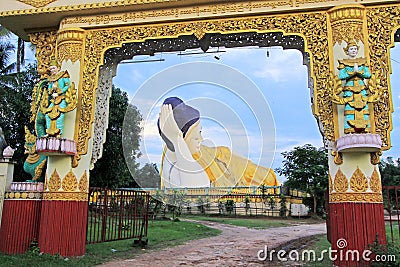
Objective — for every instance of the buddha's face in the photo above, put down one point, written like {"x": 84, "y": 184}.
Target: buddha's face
{"x": 352, "y": 51}
{"x": 194, "y": 138}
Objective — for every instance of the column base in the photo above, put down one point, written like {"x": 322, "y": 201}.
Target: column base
{"x": 354, "y": 227}
{"x": 63, "y": 227}
{"x": 20, "y": 225}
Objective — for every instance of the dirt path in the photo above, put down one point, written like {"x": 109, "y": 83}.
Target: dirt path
{"x": 235, "y": 246}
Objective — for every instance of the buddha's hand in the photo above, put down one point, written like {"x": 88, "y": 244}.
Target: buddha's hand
{"x": 168, "y": 124}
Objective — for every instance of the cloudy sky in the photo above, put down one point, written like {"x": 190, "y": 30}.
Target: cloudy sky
{"x": 253, "y": 101}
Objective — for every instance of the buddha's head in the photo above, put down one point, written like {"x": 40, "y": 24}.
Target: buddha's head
{"x": 188, "y": 120}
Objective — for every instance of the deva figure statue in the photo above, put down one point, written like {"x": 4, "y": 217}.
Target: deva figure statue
{"x": 188, "y": 163}
{"x": 353, "y": 72}
{"x": 55, "y": 105}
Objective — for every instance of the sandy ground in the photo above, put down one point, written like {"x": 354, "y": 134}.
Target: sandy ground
{"x": 235, "y": 246}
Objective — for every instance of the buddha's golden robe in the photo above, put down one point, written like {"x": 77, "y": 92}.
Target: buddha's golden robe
{"x": 226, "y": 169}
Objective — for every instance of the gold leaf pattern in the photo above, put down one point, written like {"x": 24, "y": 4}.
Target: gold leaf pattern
{"x": 70, "y": 182}
{"x": 341, "y": 183}
{"x": 330, "y": 183}
{"x": 358, "y": 181}
{"x": 54, "y": 181}
{"x": 356, "y": 197}
{"x": 83, "y": 183}
{"x": 375, "y": 182}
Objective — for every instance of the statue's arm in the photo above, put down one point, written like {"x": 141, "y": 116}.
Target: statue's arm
{"x": 184, "y": 159}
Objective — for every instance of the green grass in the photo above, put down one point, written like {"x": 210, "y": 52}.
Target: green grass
{"x": 256, "y": 223}
{"x": 161, "y": 234}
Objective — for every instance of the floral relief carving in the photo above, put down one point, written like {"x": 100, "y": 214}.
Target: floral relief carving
{"x": 341, "y": 184}
{"x": 358, "y": 181}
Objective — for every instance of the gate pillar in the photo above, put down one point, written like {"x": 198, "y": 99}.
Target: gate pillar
{"x": 63, "y": 218}
{"x": 355, "y": 191}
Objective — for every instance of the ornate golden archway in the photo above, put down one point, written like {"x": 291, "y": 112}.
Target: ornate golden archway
{"x": 84, "y": 32}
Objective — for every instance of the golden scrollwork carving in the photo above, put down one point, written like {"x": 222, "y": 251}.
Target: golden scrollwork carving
{"x": 37, "y": 3}
{"x": 330, "y": 183}
{"x": 341, "y": 184}
{"x": 66, "y": 196}
{"x": 375, "y": 157}
{"x": 45, "y": 48}
{"x": 311, "y": 26}
{"x": 70, "y": 44}
{"x": 54, "y": 182}
{"x": 69, "y": 183}
{"x": 356, "y": 197}
{"x": 381, "y": 23}
{"x": 347, "y": 23}
{"x": 375, "y": 182}
{"x": 84, "y": 183}
{"x": 358, "y": 181}
{"x": 337, "y": 157}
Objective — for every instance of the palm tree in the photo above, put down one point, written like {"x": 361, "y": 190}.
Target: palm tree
{"x": 4, "y": 33}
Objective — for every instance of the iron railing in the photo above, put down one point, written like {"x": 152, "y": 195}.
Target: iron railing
{"x": 117, "y": 214}
{"x": 392, "y": 210}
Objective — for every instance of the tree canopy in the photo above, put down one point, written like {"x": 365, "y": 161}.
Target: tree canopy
{"x": 306, "y": 169}
{"x": 111, "y": 169}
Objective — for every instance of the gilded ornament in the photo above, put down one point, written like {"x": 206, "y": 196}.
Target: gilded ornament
{"x": 70, "y": 44}
{"x": 37, "y": 3}
{"x": 54, "y": 183}
{"x": 337, "y": 157}
{"x": 358, "y": 181}
{"x": 330, "y": 183}
{"x": 66, "y": 196}
{"x": 381, "y": 23}
{"x": 84, "y": 183}
{"x": 347, "y": 23}
{"x": 97, "y": 41}
{"x": 45, "y": 43}
{"x": 69, "y": 183}
{"x": 355, "y": 197}
{"x": 376, "y": 157}
{"x": 340, "y": 183}
{"x": 375, "y": 182}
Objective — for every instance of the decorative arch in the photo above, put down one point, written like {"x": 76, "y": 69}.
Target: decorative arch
{"x": 311, "y": 27}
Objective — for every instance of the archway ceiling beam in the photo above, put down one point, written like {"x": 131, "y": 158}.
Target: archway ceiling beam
{"x": 27, "y": 16}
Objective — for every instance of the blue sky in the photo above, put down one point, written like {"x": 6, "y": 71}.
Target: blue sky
{"x": 229, "y": 117}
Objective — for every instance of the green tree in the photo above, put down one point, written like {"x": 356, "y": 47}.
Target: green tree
{"x": 390, "y": 171}
{"x": 111, "y": 169}
{"x": 306, "y": 168}
{"x": 148, "y": 176}
{"x": 15, "y": 113}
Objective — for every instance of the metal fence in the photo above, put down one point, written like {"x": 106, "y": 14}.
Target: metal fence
{"x": 117, "y": 214}
{"x": 392, "y": 210}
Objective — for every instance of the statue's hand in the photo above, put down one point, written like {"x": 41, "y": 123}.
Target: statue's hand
{"x": 355, "y": 67}
{"x": 54, "y": 95}
{"x": 168, "y": 124}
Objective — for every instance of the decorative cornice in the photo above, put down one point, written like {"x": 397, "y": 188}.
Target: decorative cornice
{"x": 70, "y": 44}
{"x": 57, "y": 9}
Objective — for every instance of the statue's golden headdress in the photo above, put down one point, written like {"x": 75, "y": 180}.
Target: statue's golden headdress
{"x": 54, "y": 62}
{"x": 29, "y": 137}
{"x": 350, "y": 44}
